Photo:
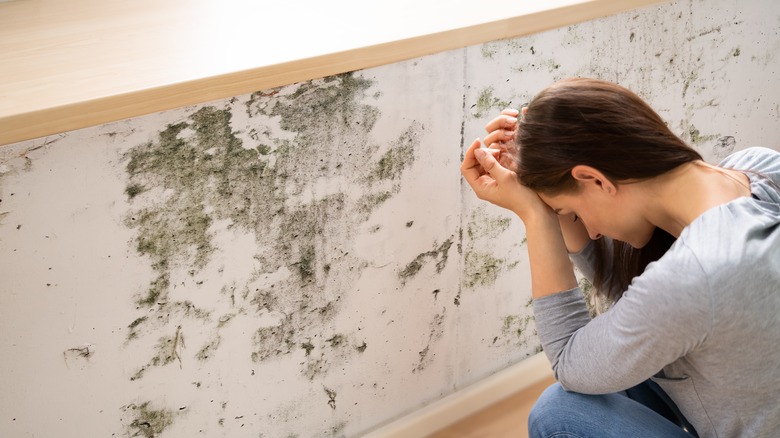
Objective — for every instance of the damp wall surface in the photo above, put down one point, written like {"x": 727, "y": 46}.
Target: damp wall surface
{"x": 306, "y": 261}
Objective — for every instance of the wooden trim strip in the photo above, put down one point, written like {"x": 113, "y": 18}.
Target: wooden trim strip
{"x": 26, "y": 113}
{"x": 436, "y": 416}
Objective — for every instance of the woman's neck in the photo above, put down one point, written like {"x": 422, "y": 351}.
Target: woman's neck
{"x": 675, "y": 199}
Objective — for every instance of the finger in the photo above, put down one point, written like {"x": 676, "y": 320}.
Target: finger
{"x": 510, "y": 112}
{"x": 489, "y": 163}
{"x": 495, "y": 151}
{"x": 502, "y": 122}
{"x": 470, "y": 167}
{"x": 499, "y": 136}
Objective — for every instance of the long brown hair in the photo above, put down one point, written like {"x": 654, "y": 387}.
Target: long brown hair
{"x": 605, "y": 126}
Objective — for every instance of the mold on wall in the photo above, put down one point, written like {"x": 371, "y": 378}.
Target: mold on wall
{"x": 306, "y": 261}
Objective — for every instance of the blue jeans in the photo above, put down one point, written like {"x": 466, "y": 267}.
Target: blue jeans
{"x": 642, "y": 411}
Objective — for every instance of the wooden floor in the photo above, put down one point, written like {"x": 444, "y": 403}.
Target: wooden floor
{"x": 507, "y": 418}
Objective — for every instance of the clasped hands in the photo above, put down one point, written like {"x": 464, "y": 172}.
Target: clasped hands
{"x": 490, "y": 171}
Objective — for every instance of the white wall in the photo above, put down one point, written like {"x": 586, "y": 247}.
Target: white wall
{"x": 306, "y": 261}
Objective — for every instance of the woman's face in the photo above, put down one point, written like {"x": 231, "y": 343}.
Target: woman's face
{"x": 603, "y": 215}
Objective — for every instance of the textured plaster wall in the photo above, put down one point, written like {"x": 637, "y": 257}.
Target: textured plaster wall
{"x": 306, "y": 261}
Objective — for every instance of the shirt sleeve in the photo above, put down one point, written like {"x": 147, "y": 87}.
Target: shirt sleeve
{"x": 585, "y": 260}
{"x": 665, "y": 313}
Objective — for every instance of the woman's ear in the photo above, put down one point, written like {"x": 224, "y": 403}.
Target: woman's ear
{"x": 589, "y": 176}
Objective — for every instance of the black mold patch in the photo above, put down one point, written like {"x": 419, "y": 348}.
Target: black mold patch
{"x": 331, "y": 397}
{"x": 167, "y": 350}
{"x": 696, "y": 136}
{"x": 208, "y": 349}
{"x": 436, "y": 332}
{"x": 481, "y": 269}
{"x": 486, "y": 103}
{"x": 483, "y": 226}
{"x": 596, "y": 305}
{"x": 398, "y": 158}
{"x": 338, "y": 429}
{"x": 146, "y": 421}
{"x": 724, "y": 146}
{"x": 439, "y": 254}
{"x": 198, "y": 174}
{"x": 515, "y": 329}
{"x": 82, "y": 352}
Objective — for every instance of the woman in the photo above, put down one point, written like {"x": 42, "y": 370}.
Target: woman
{"x": 591, "y": 160}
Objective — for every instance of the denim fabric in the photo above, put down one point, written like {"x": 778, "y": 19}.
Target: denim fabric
{"x": 642, "y": 411}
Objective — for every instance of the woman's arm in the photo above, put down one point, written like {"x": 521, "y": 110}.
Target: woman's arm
{"x": 551, "y": 270}
{"x": 574, "y": 233}
{"x": 501, "y": 136}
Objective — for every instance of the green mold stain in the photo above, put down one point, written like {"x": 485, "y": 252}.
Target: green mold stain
{"x": 146, "y": 421}
{"x": 274, "y": 341}
{"x": 198, "y": 173}
{"x": 515, "y": 327}
{"x": 481, "y": 269}
{"x": 486, "y": 103}
{"x": 338, "y": 429}
{"x": 398, "y": 157}
{"x": 551, "y": 65}
{"x": 208, "y": 349}
{"x": 595, "y": 304}
{"x": 692, "y": 77}
{"x": 697, "y": 138}
{"x": 488, "y": 51}
{"x": 483, "y": 226}
{"x": 440, "y": 254}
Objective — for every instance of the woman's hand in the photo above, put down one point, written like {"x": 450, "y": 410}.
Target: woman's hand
{"x": 501, "y": 135}
{"x": 494, "y": 180}
{"x": 498, "y": 185}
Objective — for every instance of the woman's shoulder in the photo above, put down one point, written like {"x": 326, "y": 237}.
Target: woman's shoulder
{"x": 757, "y": 159}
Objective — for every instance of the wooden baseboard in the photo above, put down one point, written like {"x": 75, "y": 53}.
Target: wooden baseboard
{"x": 453, "y": 408}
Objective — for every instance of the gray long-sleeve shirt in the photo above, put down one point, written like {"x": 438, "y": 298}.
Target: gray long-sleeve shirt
{"x": 703, "y": 321}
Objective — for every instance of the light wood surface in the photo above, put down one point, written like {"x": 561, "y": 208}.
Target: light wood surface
{"x": 507, "y": 418}
{"x": 70, "y": 64}
{"x": 501, "y": 400}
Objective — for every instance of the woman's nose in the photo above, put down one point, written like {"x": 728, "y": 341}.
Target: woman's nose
{"x": 593, "y": 235}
